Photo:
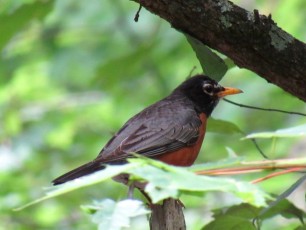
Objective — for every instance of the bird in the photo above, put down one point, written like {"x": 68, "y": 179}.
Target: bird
{"x": 171, "y": 130}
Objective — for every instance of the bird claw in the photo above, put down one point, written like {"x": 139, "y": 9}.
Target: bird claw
{"x": 131, "y": 191}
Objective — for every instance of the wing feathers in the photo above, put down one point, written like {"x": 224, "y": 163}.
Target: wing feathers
{"x": 151, "y": 142}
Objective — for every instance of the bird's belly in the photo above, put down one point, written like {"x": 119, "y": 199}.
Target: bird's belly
{"x": 187, "y": 155}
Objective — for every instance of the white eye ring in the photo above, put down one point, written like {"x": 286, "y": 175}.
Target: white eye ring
{"x": 208, "y": 89}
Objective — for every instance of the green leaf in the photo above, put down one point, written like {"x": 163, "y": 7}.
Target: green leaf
{"x": 284, "y": 208}
{"x": 222, "y": 127}
{"x": 12, "y": 23}
{"x": 243, "y": 210}
{"x": 281, "y": 203}
{"x": 246, "y": 213}
{"x": 296, "y": 131}
{"x": 102, "y": 175}
{"x": 211, "y": 63}
{"x": 166, "y": 181}
{"x": 229, "y": 222}
{"x": 109, "y": 214}
{"x": 229, "y": 63}
{"x": 235, "y": 217}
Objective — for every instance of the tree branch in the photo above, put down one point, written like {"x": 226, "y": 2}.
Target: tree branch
{"x": 251, "y": 40}
{"x": 168, "y": 215}
{"x": 284, "y": 165}
{"x": 257, "y": 166}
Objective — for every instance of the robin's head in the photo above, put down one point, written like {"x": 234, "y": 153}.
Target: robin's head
{"x": 204, "y": 92}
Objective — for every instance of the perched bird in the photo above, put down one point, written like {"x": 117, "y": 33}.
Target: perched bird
{"x": 171, "y": 130}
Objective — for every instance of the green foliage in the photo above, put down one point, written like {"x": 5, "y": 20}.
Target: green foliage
{"x": 92, "y": 179}
{"x": 72, "y": 72}
{"x": 296, "y": 131}
{"x": 284, "y": 208}
{"x": 167, "y": 181}
{"x": 164, "y": 181}
{"x": 108, "y": 214}
{"x": 287, "y": 208}
{"x": 244, "y": 216}
{"x": 21, "y": 17}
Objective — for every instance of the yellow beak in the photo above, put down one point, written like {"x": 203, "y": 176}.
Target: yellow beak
{"x": 228, "y": 91}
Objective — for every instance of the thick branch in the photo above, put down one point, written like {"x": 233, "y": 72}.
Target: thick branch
{"x": 167, "y": 216}
{"x": 251, "y": 40}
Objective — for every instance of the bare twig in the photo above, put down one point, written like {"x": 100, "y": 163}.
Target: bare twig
{"x": 277, "y": 174}
{"x": 137, "y": 14}
{"x": 286, "y": 165}
{"x": 264, "y": 109}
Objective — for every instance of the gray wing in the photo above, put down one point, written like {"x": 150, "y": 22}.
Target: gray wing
{"x": 154, "y": 131}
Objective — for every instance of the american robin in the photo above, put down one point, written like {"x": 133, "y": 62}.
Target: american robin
{"x": 171, "y": 130}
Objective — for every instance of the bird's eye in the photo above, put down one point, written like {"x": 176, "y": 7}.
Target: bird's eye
{"x": 208, "y": 88}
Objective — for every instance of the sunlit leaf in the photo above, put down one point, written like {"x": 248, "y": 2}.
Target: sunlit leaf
{"x": 81, "y": 182}
{"x": 229, "y": 63}
{"x": 296, "y": 131}
{"x": 171, "y": 181}
{"x": 12, "y": 123}
{"x": 108, "y": 214}
{"x": 164, "y": 181}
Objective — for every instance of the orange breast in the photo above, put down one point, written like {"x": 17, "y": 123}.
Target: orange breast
{"x": 186, "y": 156}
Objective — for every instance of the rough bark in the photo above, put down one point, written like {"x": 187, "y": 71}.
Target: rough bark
{"x": 168, "y": 216}
{"x": 251, "y": 40}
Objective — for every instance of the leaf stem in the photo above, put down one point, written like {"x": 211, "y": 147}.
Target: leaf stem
{"x": 286, "y": 165}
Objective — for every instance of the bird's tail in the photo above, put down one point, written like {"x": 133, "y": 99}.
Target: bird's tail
{"x": 79, "y": 172}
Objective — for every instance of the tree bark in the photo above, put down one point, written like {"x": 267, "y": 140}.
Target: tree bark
{"x": 168, "y": 216}
{"x": 251, "y": 40}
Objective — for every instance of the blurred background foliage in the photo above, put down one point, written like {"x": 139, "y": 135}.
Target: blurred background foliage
{"x": 72, "y": 72}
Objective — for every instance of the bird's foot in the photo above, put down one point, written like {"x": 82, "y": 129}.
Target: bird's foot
{"x": 131, "y": 191}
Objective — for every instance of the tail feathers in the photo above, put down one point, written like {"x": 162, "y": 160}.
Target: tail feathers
{"x": 79, "y": 172}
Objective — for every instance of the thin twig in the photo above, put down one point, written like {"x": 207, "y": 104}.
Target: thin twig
{"x": 280, "y": 197}
{"x": 137, "y": 13}
{"x": 264, "y": 109}
{"x": 191, "y": 72}
{"x": 276, "y": 174}
{"x": 246, "y": 169}
{"x": 258, "y": 148}
{"x": 295, "y": 164}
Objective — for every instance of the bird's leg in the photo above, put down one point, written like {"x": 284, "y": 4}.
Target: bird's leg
{"x": 146, "y": 196}
{"x": 180, "y": 203}
{"x": 131, "y": 190}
